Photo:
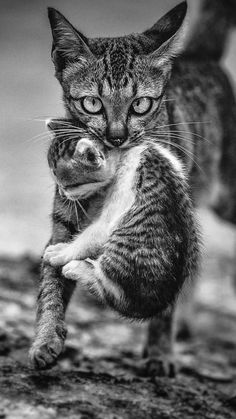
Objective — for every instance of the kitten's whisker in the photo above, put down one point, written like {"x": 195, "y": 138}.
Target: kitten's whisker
{"x": 76, "y": 213}
{"x": 82, "y": 208}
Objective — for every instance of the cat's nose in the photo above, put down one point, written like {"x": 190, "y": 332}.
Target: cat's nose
{"x": 116, "y": 133}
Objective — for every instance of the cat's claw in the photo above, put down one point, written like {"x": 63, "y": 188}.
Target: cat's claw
{"x": 58, "y": 254}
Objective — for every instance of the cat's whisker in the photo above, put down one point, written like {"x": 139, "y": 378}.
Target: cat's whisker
{"x": 71, "y": 137}
{"x": 186, "y": 152}
{"x": 71, "y": 209}
{"x": 184, "y": 123}
{"x": 190, "y": 133}
{"x": 184, "y": 138}
{"x": 41, "y": 137}
{"x": 82, "y": 208}
{"x": 169, "y": 100}
{"x": 171, "y": 135}
{"x": 175, "y": 136}
{"x": 76, "y": 214}
{"x": 43, "y": 134}
{"x": 69, "y": 124}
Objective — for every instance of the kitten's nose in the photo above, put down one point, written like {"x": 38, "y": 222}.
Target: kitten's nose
{"x": 116, "y": 133}
{"x": 89, "y": 154}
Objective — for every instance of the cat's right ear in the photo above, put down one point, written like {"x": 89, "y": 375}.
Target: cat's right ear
{"x": 167, "y": 34}
{"x": 68, "y": 43}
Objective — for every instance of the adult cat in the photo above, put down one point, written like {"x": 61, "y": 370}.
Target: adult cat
{"x": 126, "y": 88}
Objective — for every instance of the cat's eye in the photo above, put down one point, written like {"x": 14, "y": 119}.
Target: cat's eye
{"x": 141, "y": 106}
{"x": 91, "y": 104}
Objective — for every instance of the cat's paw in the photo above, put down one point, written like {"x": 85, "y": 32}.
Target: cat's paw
{"x": 43, "y": 354}
{"x": 74, "y": 269}
{"x": 58, "y": 254}
{"x": 158, "y": 366}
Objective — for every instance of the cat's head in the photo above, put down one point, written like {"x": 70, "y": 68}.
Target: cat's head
{"x": 80, "y": 164}
{"x": 116, "y": 85}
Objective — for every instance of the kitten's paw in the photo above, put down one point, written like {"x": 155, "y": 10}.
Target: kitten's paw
{"x": 74, "y": 269}
{"x": 158, "y": 366}
{"x": 44, "y": 355}
{"x": 59, "y": 254}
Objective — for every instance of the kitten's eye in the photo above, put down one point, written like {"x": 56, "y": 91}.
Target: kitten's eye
{"x": 92, "y": 104}
{"x": 141, "y": 105}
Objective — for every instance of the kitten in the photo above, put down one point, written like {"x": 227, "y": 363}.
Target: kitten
{"x": 143, "y": 236}
{"x": 132, "y": 88}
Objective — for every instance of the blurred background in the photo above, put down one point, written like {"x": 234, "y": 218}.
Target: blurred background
{"x": 30, "y": 94}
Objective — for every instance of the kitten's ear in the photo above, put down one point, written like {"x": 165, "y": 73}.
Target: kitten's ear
{"x": 166, "y": 33}
{"x": 68, "y": 43}
{"x": 55, "y": 124}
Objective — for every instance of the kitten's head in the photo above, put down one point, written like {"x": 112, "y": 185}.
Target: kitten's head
{"x": 115, "y": 85}
{"x": 81, "y": 165}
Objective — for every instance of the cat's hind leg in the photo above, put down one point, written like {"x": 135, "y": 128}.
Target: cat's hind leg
{"x": 158, "y": 353}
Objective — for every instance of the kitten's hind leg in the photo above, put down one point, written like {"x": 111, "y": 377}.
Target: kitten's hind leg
{"x": 89, "y": 273}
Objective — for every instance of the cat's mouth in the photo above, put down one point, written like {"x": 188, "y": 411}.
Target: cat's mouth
{"x": 73, "y": 186}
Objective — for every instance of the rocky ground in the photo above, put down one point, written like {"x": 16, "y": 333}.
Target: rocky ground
{"x": 99, "y": 375}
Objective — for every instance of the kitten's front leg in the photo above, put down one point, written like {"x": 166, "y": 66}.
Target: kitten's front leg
{"x": 87, "y": 244}
{"x": 60, "y": 253}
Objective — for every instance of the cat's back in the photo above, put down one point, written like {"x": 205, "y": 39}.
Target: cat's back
{"x": 202, "y": 111}
{"x": 201, "y": 88}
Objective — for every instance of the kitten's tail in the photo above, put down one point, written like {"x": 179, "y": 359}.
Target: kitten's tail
{"x": 210, "y": 34}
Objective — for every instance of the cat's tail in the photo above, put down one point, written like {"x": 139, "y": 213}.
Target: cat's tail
{"x": 210, "y": 33}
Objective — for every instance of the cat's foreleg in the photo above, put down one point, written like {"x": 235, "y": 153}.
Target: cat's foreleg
{"x": 54, "y": 294}
{"x": 53, "y": 297}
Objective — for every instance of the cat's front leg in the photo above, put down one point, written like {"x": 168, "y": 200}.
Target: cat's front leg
{"x": 54, "y": 294}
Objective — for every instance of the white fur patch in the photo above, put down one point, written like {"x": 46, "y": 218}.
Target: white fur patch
{"x": 121, "y": 195}
{"x": 109, "y": 286}
{"x": 174, "y": 161}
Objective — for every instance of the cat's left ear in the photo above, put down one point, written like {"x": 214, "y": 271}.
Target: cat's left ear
{"x": 167, "y": 33}
{"x": 68, "y": 43}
